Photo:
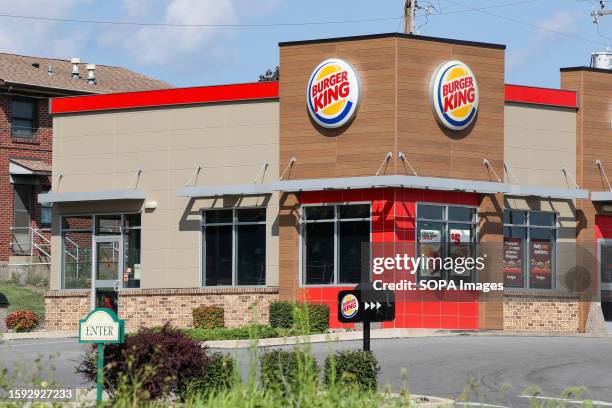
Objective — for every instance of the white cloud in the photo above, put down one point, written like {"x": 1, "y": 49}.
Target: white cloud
{"x": 44, "y": 38}
{"x": 159, "y": 45}
{"x": 136, "y": 8}
{"x": 562, "y": 21}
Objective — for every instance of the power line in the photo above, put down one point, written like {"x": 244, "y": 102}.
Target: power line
{"x": 160, "y": 24}
{"x": 575, "y": 37}
{"x": 154, "y": 24}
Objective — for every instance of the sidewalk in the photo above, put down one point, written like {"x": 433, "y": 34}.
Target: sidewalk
{"x": 39, "y": 335}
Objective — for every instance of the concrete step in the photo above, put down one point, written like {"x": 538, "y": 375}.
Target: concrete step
{"x": 26, "y": 259}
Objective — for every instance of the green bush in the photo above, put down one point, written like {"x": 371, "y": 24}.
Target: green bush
{"x": 287, "y": 370}
{"x": 255, "y": 331}
{"x": 352, "y": 368}
{"x": 219, "y": 375}
{"x": 318, "y": 317}
{"x": 285, "y": 314}
{"x": 162, "y": 361}
{"x": 208, "y": 317}
{"x": 281, "y": 315}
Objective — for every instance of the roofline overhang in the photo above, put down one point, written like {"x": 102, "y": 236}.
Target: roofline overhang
{"x": 50, "y": 90}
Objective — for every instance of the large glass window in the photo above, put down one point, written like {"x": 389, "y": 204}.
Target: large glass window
{"x": 529, "y": 249}
{"x": 23, "y": 117}
{"x": 336, "y": 243}
{"x": 131, "y": 246}
{"x": 234, "y": 247}
{"x": 445, "y": 231}
{"x": 77, "y": 240}
{"x": 45, "y": 212}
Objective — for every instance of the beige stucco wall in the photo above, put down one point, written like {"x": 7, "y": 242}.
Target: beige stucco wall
{"x": 102, "y": 151}
{"x": 538, "y": 142}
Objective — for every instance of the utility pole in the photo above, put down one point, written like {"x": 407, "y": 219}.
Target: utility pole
{"x": 409, "y": 11}
{"x": 601, "y": 12}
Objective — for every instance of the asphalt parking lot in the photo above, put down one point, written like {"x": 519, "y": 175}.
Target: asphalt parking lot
{"x": 442, "y": 366}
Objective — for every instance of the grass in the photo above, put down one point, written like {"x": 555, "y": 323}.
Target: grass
{"x": 24, "y": 298}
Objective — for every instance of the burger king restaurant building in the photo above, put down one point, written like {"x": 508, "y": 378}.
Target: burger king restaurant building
{"x": 240, "y": 195}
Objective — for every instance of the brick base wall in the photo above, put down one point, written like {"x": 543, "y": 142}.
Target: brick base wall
{"x": 154, "y": 307}
{"x": 63, "y": 310}
{"x": 531, "y": 311}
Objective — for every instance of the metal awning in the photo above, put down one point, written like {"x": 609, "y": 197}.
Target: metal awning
{"x": 429, "y": 183}
{"x": 550, "y": 192}
{"x": 68, "y": 197}
{"x": 224, "y": 189}
{"x": 601, "y": 196}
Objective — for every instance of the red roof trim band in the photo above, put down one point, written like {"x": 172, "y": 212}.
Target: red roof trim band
{"x": 254, "y": 91}
{"x": 164, "y": 97}
{"x": 541, "y": 96}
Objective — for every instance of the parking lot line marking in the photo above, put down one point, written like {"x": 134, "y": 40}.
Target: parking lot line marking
{"x": 595, "y": 403}
{"x": 480, "y": 404}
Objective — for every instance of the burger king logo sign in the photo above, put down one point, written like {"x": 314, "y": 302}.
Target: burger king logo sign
{"x": 349, "y": 306}
{"x": 453, "y": 95}
{"x": 333, "y": 93}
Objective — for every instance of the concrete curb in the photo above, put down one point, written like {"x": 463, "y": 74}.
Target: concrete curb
{"x": 39, "y": 335}
{"x": 379, "y": 334}
{"x": 328, "y": 337}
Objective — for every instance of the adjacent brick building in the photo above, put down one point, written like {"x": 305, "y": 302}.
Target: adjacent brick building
{"x": 26, "y": 132}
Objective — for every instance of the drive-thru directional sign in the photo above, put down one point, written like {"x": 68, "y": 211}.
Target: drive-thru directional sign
{"x": 366, "y": 305}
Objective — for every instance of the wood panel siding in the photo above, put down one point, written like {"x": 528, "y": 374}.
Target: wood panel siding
{"x": 593, "y": 141}
{"x": 393, "y": 116}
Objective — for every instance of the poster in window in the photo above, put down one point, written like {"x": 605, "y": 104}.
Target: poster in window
{"x": 460, "y": 243}
{"x": 513, "y": 262}
{"x": 431, "y": 247}
{"x": 540, "y": 263}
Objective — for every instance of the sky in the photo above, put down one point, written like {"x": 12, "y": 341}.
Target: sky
{"x": 238, "y": 48}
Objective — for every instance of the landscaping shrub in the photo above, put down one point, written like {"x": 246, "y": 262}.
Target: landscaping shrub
{"x": 283, "y": 315}
{"x": 219, "y": 375}
{"x": 288, "y": 369}
{"x": 318, "y": 317}
{"x": 162, "y": 361}
{"x": 22, "y": 321}
{"x": 208, "y": 317}
{"x": 353, "y": 368}
{"x": 254, "y": 331}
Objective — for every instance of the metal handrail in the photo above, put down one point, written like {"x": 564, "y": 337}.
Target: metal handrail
{"x": 76, "y": 258}
{"x": 33, "y": 244}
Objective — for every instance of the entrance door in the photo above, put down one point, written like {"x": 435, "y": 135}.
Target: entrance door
{"x": 107, "y": 271}
{"x": 605, "y": 259}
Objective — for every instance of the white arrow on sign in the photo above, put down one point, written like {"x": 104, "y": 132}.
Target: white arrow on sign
{"x": 371, "y": 305}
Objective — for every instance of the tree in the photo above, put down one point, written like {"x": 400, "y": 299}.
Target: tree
{"x": 270, "y": 75}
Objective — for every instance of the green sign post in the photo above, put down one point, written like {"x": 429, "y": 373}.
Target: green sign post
{"x": 101, "y": 326}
